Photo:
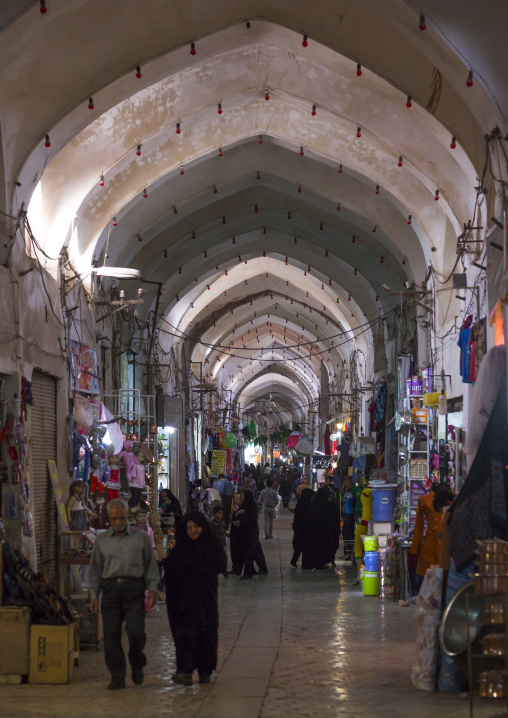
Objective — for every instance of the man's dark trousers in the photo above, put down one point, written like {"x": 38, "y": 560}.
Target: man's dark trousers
{"x": 123, "y": 602}
{"x": 227, "y": 502}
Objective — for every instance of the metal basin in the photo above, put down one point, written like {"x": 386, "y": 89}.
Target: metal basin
{"x": 453, "y": 628}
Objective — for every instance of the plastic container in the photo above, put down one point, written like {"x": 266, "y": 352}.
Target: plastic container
{"x": 370, "y": 583}
{"x": 370, "y": 543}
{"x": 371, "y": 561}
{"x": 383, "y": 502}
{"x": 417, "y": 386}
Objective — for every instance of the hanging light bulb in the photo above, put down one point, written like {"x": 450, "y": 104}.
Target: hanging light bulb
{"x": 255, "y": 209}
{"x": 409, "y": 219}
{"x": 266, "y": 275}
{"x": 145, "y": 193}
{"x": 399, "y": 163}
{"x": 296, "y": 241}
{"x": 377, "y": 189}
{"x": 90, "y": 103}
{"x": 138, "y": 72}
{"x": 422, "y": 24}
{"x": 308, "y": 268}
{"x": 307, "y": 295}
{"x": 286, "y": 261}
{"x": 338, "y": 207}
{"x": 355, "y": 273}
{"x": 382, "y": 260}
{"x": 224, "y": 219}
{"x": 220, "y": 152}
{"x": 358, "y": 131}
{"x": 404, "y": 260}
{"x": 178, "y": 130}
{"x": 192, "y": 48}
{"x": 409, "y": 101}
{"x": 181, "y": 170}
{"x": 470, "y": 81}
{"x": 226, "y": 273}
{"x": 340, "y": 169}
{"x": 234, "y": 241}
{"x": 453, "y": 143}
{"x": 193, "y": 234}
{"x": 374, "y": 228}
{"x": 165, "y": 253}
{"x": 301, "y": 151}
{"x": 219, "y": 108}
{"x": 264, "y": 230}
{"x": 321, "y": 226}
{"x": 305, "y": 273}
{"x": 177, "y": 298}
{"x": 260, "y": 139}
{"x": 140, "y": 238}
{"x": 300, "y": 188}
{"x": 329, "y": 282}
{"x": 215, "y": 190}
{"x": 436, "y": 195}
{"x": 43, "y": 9}
{"x": 114, "y": 222}
{"x": 264, "y": 253}
{"x": 175, "y": 211}
{"x": 258, "y": 176}
{"x": 138, "y": 150}
{"x": 47, "y": 143}
{"x": 377, "y": 298}
{"x": 289, "y": 215}
{"x": 101, "y": 181}
{"x": 267, "y": 95}
{"x": 304, "y": 42}
{"x": 179, "y": 270}
{"x": 313, "y": 113}
{"x": 353, "y": 239}
{"x": 349, "y": 297}
{"x": 239, "y": 258}
{"x": 337, "y": 300}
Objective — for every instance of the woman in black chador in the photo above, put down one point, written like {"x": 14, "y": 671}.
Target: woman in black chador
{"x": 323, "y": 528}
{"x": 302, "y": 509}
{"x": 245, "y": 521}
{"x": 191, "y": 595}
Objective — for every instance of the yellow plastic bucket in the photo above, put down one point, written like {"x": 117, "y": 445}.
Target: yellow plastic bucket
{"x": 370, "y": 543}
{"x": 370, "y": 583}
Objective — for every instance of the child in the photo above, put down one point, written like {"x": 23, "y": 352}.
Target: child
{"x": 141, "y": 519}
{"x": 219, "y": 527}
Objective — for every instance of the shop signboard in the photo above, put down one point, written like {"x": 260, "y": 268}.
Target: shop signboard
{"x": 276, "y": 454}
{"x": 322, "y": 461}
{"x": 218, "y": 464}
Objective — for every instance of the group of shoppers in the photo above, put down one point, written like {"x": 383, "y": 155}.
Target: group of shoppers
{"x": 316, "y": 528}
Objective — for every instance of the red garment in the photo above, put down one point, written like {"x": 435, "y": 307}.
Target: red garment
{"x": 113, "y": 494}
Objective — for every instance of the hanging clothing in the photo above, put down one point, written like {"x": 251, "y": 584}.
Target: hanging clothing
{"x": 465, "y": 350}
{"x": 480, "y": 510}
{"x": 191, "y": 571}
{"x": 427, "y": 543}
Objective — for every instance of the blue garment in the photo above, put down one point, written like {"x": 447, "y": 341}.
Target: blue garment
{"x": 217, "y": 485}
{"x": 465, "y": 355}
{"x": 359, "y": 465}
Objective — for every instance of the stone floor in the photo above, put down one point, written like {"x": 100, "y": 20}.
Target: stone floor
{"x": 293, "y": 642}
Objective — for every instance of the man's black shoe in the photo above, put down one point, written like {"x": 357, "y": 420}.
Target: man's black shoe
{"x": 138, "y": 676}
{"x": 263, "y": 570}
{"x": 116, "y": 684}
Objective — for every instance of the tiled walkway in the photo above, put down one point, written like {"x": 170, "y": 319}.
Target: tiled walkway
{"x": 291, "y": 643}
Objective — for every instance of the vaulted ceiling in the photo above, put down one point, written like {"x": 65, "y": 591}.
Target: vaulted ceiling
{"x": 272, "y": 177}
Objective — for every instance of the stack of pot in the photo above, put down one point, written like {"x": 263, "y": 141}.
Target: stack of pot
{"x": 492, "y": 576}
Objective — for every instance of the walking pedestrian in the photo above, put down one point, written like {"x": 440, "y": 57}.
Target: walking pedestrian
{"x": 235, "y": 538}
{"x": 285, "y": 491}
{"x": 270, "y": 500}
{"x": 122, "y": 565}
{"x": 321, "y": 539}
{"x": 246, "y": 519}
{"x": 191, "y": 571}
{"x": 300, "y": 524}
{"x": 226, "y": 494}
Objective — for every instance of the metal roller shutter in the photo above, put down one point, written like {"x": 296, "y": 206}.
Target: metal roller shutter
{"x": 43, "y": 436}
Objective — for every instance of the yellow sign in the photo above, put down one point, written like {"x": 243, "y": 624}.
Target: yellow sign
{"x": 218, "y": 465}
{"x": 58, "y": 491}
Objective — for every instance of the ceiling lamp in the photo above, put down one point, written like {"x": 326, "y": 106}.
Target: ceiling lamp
{"x": 116, "y": 272}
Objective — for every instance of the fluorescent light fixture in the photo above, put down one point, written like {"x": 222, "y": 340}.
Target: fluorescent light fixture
{"x": 169, "y": 429}
{"x": 117, "y": 272}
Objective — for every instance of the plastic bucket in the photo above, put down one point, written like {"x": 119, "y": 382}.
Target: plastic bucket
{"x": 370, "y": 583}
{"x": 371, "y": 560}
{"x": 383, "y": 502}
{"x": 370, "y": 543}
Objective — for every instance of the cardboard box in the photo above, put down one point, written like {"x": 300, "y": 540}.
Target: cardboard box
{"x": 52, "y": 653}
{"x": 14, "y": 640}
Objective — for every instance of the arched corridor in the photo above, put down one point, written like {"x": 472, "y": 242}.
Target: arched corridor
{"x": 293, "y": 643}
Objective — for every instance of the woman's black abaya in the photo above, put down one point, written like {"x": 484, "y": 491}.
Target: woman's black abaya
{"x": 191, "y": 595}
{"x": 302, "y": 509}
{"x": 249, "y": 535}
{"x": 323, "y": 526}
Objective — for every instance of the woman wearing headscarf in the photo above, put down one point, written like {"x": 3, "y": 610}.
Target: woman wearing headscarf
{"x": 169, "y": 504}
{"x": 246, "y": 521}
{"x": 191, "y": 571}
{"x": 300, "y": 524}
{"x": 235, "y": 539}
{"x": 322, "y": 530}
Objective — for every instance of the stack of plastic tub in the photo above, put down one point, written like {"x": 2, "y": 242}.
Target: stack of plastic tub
{"x": 371, "y": 563}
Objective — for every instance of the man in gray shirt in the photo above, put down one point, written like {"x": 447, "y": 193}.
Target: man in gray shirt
{"x": 270, "y": 501}
{"x": 123, "y": 566}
